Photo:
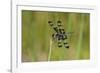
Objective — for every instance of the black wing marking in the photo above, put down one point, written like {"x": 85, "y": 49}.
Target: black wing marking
{"x": 59, "y": 34}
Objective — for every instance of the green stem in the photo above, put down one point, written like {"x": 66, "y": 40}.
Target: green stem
{"x": 79, "y": 45}
{"x": 49, "y": 55}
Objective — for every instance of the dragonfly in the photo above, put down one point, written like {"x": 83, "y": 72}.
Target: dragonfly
{"x": 60, "y": 35}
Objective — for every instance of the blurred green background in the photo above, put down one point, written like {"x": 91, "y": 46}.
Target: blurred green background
{"x": 36, "y": 35}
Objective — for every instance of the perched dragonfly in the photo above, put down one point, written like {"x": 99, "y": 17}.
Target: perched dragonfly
{"x": 60, "y": 35}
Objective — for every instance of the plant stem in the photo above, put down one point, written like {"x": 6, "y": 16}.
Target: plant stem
{"x": 79, "y": 45}
{"x": 49, "y": 56}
